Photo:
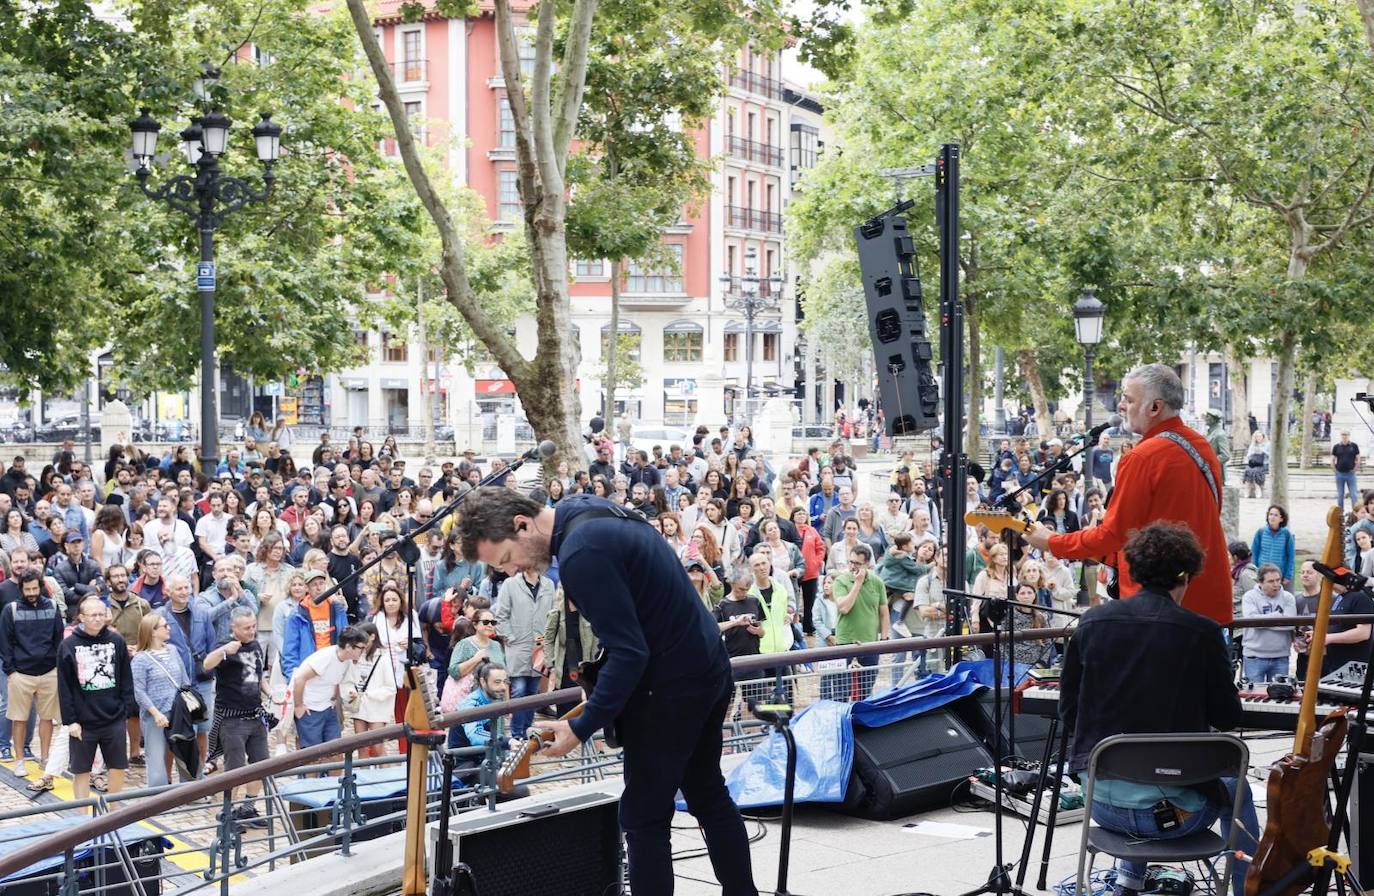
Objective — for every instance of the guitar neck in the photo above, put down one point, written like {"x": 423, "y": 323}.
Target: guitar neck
{"x": 1333, "y": 556}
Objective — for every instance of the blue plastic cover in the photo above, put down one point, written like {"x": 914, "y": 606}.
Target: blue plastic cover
{"x": 373, "y": 784}
{"x": 825, "y": 738}
{"x": 16, "y": 837}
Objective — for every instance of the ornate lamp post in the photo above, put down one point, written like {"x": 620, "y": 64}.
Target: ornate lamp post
{"x": 207, "y": 197}
{"x": 1088, "y": 313}
{"x": 751, "y": 295}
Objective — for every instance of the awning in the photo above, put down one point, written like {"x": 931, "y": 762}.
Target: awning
{"x": 495, "y": 387}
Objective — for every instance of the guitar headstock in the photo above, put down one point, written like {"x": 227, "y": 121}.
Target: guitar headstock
{"x": 997, "y": 521}
{"x": 516, "y": 766}
{"x": 1333, "y": 554}
{"x": 422, "y": 714}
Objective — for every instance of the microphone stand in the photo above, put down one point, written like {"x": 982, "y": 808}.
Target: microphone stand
{"x": 999, "y": 880}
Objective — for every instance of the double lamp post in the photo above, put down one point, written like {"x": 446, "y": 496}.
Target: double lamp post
{"x": 207, "y": 197}
{"x": 751, "y": 295}
{"x": 1088, "y": 312}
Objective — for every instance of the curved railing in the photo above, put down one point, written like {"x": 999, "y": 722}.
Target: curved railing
{"x": 173, "y": 797}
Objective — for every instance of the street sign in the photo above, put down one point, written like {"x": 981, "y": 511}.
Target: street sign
{"x": 205, "y": 275}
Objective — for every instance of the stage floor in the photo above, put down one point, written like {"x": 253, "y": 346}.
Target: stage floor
{"x": 943, "y": 852}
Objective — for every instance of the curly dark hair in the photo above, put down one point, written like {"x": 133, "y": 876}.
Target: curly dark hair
{"x": 490, "y": 515}
{"x": 1162, "y": 555}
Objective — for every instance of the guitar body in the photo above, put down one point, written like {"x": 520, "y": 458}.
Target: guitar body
{"x": 1296, "y": 807}
{"x": 1296, "y": 822}
{"x": 587, "y": 672}
{"x": 421, "y": 714}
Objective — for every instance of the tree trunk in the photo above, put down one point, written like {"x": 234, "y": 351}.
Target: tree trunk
{"x": 1240, "y": 403}
{"x": 974, "y": 382}
{"x": 1367, "y": 15}
{"x": 1309, "y": 404}
{"x": 1029, "y": 367}
{"x": 1298, "y": 259}
{"x": 612, "y": 347}
{"x": 426, "y": 405}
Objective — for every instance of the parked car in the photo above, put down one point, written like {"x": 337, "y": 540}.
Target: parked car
{"x": 665, "y": 437}
{"x": 60, "y": 429}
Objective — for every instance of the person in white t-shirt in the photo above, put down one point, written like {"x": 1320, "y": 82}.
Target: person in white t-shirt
{"x": 165, "y": 532}
{"x": 213, "y": 528}
{"x": 315, "y": 687}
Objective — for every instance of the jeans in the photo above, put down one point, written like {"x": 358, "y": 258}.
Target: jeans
{"x": 1260, "y": 669}
{"x": 154, "y": 750}
{"x": 522, "y": 686}
{"x": 672, "y": 742}
{"x": 1141, "y": 823}
{"x": 317, "y": 726}
{"x": 1345, "y": 484}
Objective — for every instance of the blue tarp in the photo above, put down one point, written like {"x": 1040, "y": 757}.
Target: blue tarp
{"x": 825, "y": 738}
{"x": 14, "y": 838}
{"x": 373, "y": 784}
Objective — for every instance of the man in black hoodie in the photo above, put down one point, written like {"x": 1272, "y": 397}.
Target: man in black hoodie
{"x": 96, "y": 689}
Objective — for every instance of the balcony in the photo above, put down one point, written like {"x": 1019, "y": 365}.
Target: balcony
{"x": 755, "y": 83}
{"x": 753, "y": 151}
{"x": 410, "y": 71}
{"x": 753, "y": 219}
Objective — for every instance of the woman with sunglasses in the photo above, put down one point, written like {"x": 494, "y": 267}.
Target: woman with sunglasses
{"x": 479, "y": 647}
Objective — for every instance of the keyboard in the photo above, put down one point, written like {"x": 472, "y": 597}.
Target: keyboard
{"x": 1345, "y": 685}
{"x": 1257, "y": 711}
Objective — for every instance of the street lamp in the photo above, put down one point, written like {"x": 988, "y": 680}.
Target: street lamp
{"x": 1088, "y": 312}
{"x": 207, "y": 198}
{"x": 751, "y": 295}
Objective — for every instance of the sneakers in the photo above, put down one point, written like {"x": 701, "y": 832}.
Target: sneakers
{"x": 28, "y": 753}
{"x": 6, "y": 754}
{"x": 245, "y": 814}
{"x": 21, "y": 769}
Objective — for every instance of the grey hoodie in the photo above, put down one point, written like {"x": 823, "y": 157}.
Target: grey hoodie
{"x": 1267, "y": 643}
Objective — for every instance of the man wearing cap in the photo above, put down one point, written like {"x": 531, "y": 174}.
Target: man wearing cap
{"x": 77, "y": 574}
{"x": 314, "y": 625}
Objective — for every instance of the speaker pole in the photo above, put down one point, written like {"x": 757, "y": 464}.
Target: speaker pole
{"x": 953, "y": 462}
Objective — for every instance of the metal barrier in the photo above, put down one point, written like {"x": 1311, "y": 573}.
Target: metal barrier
{"x": 204, "y": 843}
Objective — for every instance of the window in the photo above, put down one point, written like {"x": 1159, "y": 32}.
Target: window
{"x": 262, "y": 57}
{"x": 729, "y": 191}
{"x": 394, "y": 349}
{"x": 749, "y": 194}
{"x": 730, "y": 261}
{"x": 524, "y": 38}
{"x": 506, "y": 124}
{"x": 679, "y": 402}
{"x": 768, "y": 199}
{"x": 413, "y": 67}
{"x": 360, "y": 338}
{"x": 749, "y": 133}
{"x": 682, "y": 342}
{"x": 656, "y": 277}
{"x": 732, "y": 346}
{"x": 584, "y": 269}
{"x": 805, "y": 146}
{"x": 770, "y": 346}
{"x": 508, "y": 206}
{"x": 414, "y": 112}
{"x": 627, "y": 329}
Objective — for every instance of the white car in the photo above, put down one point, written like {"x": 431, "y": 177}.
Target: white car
{"x": 665, "y": 437}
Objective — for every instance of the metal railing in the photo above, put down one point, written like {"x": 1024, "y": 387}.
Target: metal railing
{"x": 753, "y": 151}
{"x": 753, "y": 219}
{"x": 196, "y": 847}
{"x": 756, "y": 83}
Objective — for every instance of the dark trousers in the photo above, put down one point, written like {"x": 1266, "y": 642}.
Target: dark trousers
{"x": 671, "y": 743}
{"x": 808, "y": 593}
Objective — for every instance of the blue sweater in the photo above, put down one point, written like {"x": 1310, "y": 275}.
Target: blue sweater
{"x": 634, "y": 592}
{"x": 156, "y": 680}
{"x": 299, "y": 641}
{"x": 1277, "y": 548}
{"x": 202, "y": 640}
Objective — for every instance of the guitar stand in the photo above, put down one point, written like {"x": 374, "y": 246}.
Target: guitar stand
{"x": 442, "y": 882}
{"x": 778, "y": 715}
{"x": 1047, "y": 759}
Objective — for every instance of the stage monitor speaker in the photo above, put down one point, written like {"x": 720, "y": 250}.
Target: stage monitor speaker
{"x": 566, "y": 842}
{"x": 1361, "y": 808}
{"x": 976, "y": 711}
{"x": 897, "y": 322}
{"x": 911, "y": 766}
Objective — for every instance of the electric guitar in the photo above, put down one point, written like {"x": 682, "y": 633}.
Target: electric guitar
{"x": 516, "y": 766}
{"x": 1296, "y": 809}
{"x": 998, "y": 521}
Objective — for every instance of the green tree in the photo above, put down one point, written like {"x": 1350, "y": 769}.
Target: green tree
{"x": 622, "y": 364}
{"x": 86, "y": 260}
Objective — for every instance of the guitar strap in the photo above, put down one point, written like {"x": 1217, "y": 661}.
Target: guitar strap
{"x": 1202, "y": 465}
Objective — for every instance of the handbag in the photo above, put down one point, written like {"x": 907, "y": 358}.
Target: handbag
{"x": 353, "y": 704}
{"x": 195, "y": 704}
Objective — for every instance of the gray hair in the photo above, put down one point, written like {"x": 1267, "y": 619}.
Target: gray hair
{"x": 1159, "y": 382}
{"x": 241, "y": 613}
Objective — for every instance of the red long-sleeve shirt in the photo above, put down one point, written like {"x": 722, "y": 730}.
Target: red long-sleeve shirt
{"x": 1158, "y": 482}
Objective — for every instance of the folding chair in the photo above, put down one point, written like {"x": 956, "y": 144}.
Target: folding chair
{"x": 1165, "y": 759}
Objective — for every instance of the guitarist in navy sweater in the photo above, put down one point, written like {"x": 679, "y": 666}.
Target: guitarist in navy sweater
{"x": 666, "y": 683}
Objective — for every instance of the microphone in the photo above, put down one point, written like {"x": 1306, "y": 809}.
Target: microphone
{"x": 1092, "y": 435}
{"x": 542, "y": 451}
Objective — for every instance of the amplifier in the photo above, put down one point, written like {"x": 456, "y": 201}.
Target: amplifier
{"x": 567, "y": 840}
{"x": 911, "y": 765}
{"x": 1361, "y": 835}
